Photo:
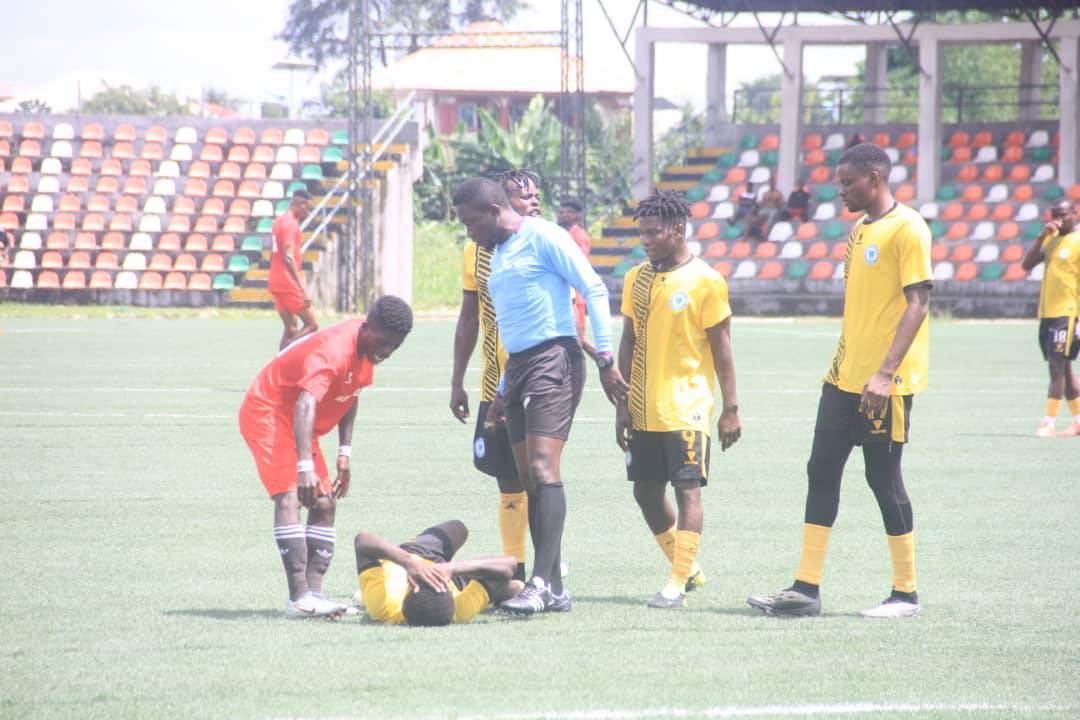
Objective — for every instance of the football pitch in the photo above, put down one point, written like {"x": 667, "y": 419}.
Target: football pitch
{"x": 141, "y": 577}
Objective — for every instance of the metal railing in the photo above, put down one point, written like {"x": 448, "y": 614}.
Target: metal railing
{"x": 846, "y": 105}
{"x": 393, "y": 125}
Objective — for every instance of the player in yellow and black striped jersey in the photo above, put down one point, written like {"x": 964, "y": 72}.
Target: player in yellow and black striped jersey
{"x": 676, "y": 336}
{"x": 881, "y": 361}
{"x": 420, "y": 583}
{"x": 1058, "y": 246}
{"x": 492, "y": 453}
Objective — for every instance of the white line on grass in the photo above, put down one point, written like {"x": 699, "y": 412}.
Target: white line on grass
{"x": 781, "y": 711}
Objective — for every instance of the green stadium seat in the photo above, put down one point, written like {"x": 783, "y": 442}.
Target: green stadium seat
{"x": 946, "y": 193}
{"x": 1039, "y": 154}
{"x": 770, "y": 158}
{"x": 224, "y": 281}
{"x": 294, "y": 186}
{"x": 727, "y": 160}
{"x": 798, "y": 269}
{"x": 281, "y": 206}
{"x": 311, "y": 172}
{"x": 1053, "y": 192}
{"x": 620, "y": 270}
{"x": 251, "y": 243}
{"x": 239, "y": 264}
{"x": 992, "y": 271}
{"x": 637, "y": 253}
{"x": 733, "y": 231}
{"x": 946, "y": 154}
{"x": 749, "y": 142}
{"x": 1032, "y": 231}
{"x": 341, "y": 137}
{"x": 834, "y": 230}
{"x": 833, "y": 156}
{"x": 712, "y": 177}
{"x": 332, "y": 154}
{"x": 826, "y": 193}
{"x": 264, "y": 225}
{"x": 695, "y": 194}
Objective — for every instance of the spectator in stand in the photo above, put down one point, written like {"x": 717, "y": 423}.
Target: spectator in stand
{"x": 798, "y": 203}
{"x": 856, "y": 139}
{"x": 755, "y": 225}
{"x": 771, "y": 204}
{"x": 7, "y": 241}
{"x": 747, "y": 203}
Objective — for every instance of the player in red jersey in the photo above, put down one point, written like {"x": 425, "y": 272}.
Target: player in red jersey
{"x": 569, "y": 219}
{"x": 285, "y": 284}
{"x": 303, "y": 393}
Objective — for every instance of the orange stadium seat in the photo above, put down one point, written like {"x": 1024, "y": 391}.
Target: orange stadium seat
{"x": 79, "y": 260}
{"x": 820, "y": 175}
{"x": 255, "y": 171}
{"x": 807, "y": 231}
{"x": 1002, "y": 212}
{"x": 972, "y": 193}
{"x": 211, "y": 153}
{"x": 5, "y": 148}
{"x": 235, "y": 225}
{"x": 966, "y": 271}
{"x": 993, "y": 173}
{"x": 839, "y": 250}
{"x": 822, "y": 270}
{"x": 140, "y": 168}
{"x": 93, "y": 131}
{"x": 1012, "y": 253}
{"x": 240, "y": 207}
{"x": 34, "y": 130}
{"x": 179, "y": 224}
{"x": 85, "y": 241}
{"x": 769, "y": 142}
{"x": 707, "y": 231}
{"x": 206, "y": 224}
{"x": 213, "y": 262}
{"x": 150, "y": 280}
{"x": 82, "y": 167}
{"x": 961, "y": 155}
{"x": 959, "y": 139}
{"x": 213, "y": 206}
{"x": 1023, "y": 193}
{"x": 216, "y": 136}
{"x": 224, "y": 189}
{"x": 21, "y": 166}
{"x": 6, "y": 129}
{"x": 124, "y": 133}
{"x": 229, "y": 171}
{"x": 939, "y": 252}
{"x": 735, "y": 176}
{"x": 1019, "y": 174}
{"x": 135, "y": 186}
{"x": 1074, "y": 193}
{"x": 978, "y": 211}
{"x": 195, "y": 187}
{"x": 243, "y": 136}
{"x": 882, "y": 140}
{"x": 723, "y": 267}
{"x": 814, "y": 157}
{"x": 309, "y": 154}
{"x": 100, "y": 280}
{"x": 169, "y": 242}
{"x": 152, "y": 151}
{"x": 112, "y": 241}
{"x": 74, "y": 280}
{"x": 18, "y": 184}
{"x": 906, "y": 140}
{"x": 91, "y": 149}
{"x": 120, "y": 223}
{"x": 962, "y": 252}
{"x": 967, "y": 173}
{"x": 199, "y": 169}
{"x": 1013, "y": 154}
{"x": 156, "y": 134}
{"x": 1013, "y": 272}
{"x": 30, "y": 148}
{"x": 699, "y": 210}
{"x": 958, "y": 231}
{"x": 317, "y": 136}
{"x": 196, "y": 242}
{"x": 740, "y": 249}
{"x": 982, "y": 139}
{"x": 200, "y": 281}
{"x": 58, "y": 241}
{"x": 185, "y": 262}
{"x": 107, "y": 261}
{"x": 771, "y": 270}
{"x": 239, "y": 154}
{"x": 905, "y": 193}
{"x": 48, "y": 279}
{"x": 175, "y": 281}
{"x": 65, "y": 221}
{"x": 248, "y": 189}
{"x": 223, "y": 244}
{"x": 271, "y": 136}
{"x": 9, "y": 221}
{"x": 52, "y": 259}
{"x": 765, "y": 250}
{"x": 812, "y": 141}
{"x": 122, "y": 151}
{"x": 14, "y": 204}
{"x": 1016, "y": 138}
{"x": 111, "y": 168}
{"x": 715, "y": 249}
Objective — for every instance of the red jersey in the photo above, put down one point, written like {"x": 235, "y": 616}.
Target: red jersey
{"x": 286, "y": 236}
{"x": 325, "y": 364}
{"x": 581, "y": 238}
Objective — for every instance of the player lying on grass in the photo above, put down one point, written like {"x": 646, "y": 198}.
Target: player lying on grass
{"x": 306, "y": 391}
{"x": 420, "y": 583}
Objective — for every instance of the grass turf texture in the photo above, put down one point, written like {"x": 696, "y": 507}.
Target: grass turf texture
{"x": 142, "y": 578}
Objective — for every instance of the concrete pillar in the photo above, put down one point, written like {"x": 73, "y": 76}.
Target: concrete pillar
{"x": 875, "y": 79}
{"x": 930, "y": 134}
{"x": 1030, "y": 75}
{"x": 645, "y": 60}
{"x": 1069, "y": 107}
{"x": 715, "y": 93}
{"x": 791, "y": 91}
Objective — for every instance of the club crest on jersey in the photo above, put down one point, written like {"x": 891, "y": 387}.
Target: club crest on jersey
{"x": 679, "y": 301}
{"x": 1064, "y": 253}
{"x": 871, "y": 254}
{"x": 479, "y": 448}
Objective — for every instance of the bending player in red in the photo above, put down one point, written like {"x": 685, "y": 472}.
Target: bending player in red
{"x": 303, "y": 393}
{"x": 285, "y": 283}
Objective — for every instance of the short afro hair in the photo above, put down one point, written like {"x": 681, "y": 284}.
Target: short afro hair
{"x": 668, "y": 205}
{"x": 479, "y": 192}
{"x": 572, "y": 204}
{"x": 866, "y": 157}
{"x": 428, "y": 608}
{"x": 519, "y": 178}
{"x": 301, "y": 194}
{"x": 393, "y": 314}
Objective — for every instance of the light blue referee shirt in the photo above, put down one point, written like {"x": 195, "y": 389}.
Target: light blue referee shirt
{"x": 531, "y": 276}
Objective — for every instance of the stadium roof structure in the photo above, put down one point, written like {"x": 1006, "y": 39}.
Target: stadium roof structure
{"x": 888, "y": 6}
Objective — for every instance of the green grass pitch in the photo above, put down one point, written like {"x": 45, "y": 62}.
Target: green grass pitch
{"x": 141, "y": 578}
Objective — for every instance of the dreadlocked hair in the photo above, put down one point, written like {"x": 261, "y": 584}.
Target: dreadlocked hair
{"x": 668, "y": 205}
{"x": 519, "y": 178}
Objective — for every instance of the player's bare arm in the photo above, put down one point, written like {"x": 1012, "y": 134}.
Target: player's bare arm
{"x": 498, "y": 571}
{"x": 307, "y": 483}
{"x": 465, "y": 335}
{"x": 1034, "y": 254}
{"x": 344, "y": 474}
{"x": 294, "y": 272}
{"x": 728, "y": 427}
{"x": 371, "y": 547}
{"x": 876, "y": 393}
{"x": 623, "y": 423}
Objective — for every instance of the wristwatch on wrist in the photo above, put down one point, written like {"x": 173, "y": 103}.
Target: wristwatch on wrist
{"x": 604, "y": 360}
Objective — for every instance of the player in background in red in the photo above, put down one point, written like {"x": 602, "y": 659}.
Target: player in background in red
{"x": 285, "y": 282}
{"x": 303, "y": 393}
{"x": 569, "y": 218}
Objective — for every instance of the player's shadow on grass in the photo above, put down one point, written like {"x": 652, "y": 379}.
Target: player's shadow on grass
{"x": 226, "y": 613}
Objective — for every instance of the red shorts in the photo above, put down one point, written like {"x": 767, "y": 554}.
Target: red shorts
{"x": 269, "y": 435}
{"x": 290, "y": 299}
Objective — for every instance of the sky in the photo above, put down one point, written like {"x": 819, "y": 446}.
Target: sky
{"x": 229, "y": 45}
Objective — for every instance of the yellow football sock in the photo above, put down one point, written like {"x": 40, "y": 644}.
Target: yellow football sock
{"x": 666, "y": 541}
{"x": 1053, "y": 407}
{"x": 686, "y": 547}
{"x": 902, "y": 550}
{"x": 1074, "y": 406}
{"x": 514, "y": 523}
{"x": 814, "y": 545}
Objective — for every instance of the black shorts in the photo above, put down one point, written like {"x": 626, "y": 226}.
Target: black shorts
{"x": 492, "y": 454}
{"x": 679, "y": 456}
{"x": 434, "y": 545}
{"x": 838, "y": 412}
{"x": 543, "y": 388}
{"x": 1058, "y": 338}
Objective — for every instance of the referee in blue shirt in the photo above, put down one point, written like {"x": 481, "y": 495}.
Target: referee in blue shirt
{"x": 533, "y": 268}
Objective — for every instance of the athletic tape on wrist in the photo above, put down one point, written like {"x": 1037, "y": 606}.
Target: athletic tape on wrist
{"x": 345, "y": 451}
{"x": 305, "y": 466}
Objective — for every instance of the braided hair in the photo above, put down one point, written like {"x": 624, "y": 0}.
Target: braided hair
{"x": 519, "y": 178}
{"x": 668, "y": 205}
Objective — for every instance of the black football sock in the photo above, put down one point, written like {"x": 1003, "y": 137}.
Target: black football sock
{"x": 550, "y": 517}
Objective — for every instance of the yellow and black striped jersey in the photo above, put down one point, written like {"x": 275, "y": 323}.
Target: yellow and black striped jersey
{"x": 672, "y": 372}
{"x": 1059, "y": 295}
{"x": 883, "y": 257}
{"x": 475, "y": 268}
{"x": 385, "y": 586}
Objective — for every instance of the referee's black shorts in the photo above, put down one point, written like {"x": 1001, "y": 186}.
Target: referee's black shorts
{"x": 543, "y": 389}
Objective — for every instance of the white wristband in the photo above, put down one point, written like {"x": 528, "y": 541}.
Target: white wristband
{"x": 344, "y": 451}
{"x": 305, "y": 466}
